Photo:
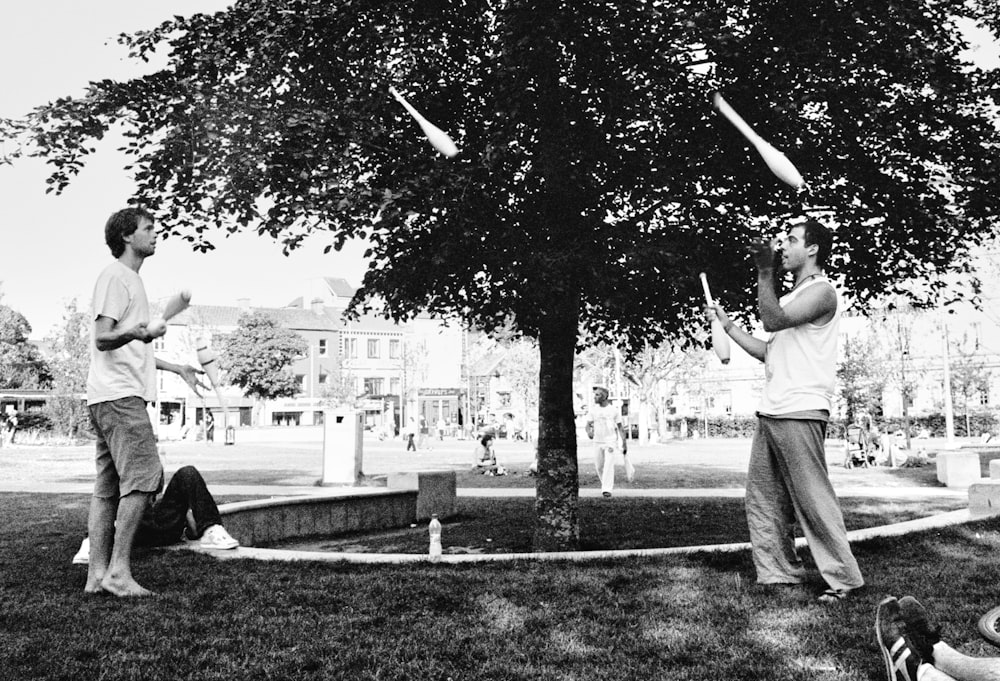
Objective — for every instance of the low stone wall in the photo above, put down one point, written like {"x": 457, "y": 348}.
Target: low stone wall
{"x": 436, "y": 491}
{"x": 264, "y": 521}
{"x": 409, "y": 498}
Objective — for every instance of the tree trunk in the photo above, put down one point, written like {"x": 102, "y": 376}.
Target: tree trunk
{"x": 557, "y": 488}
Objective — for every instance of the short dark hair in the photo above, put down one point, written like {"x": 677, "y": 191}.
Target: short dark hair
{"x": 818, "y": 234}
{"x": 121, "y": 224}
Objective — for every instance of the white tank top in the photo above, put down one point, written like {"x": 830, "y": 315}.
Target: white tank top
{"x": 800, "y": 363}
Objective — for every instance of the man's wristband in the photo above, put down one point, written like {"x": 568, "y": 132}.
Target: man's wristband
{"x": 727, "y": 327}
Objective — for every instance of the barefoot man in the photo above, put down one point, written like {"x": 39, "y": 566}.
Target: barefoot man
{"x": 120, "y": 383}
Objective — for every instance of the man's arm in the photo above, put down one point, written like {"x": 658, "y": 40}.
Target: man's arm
{"x": 813, "y": 304}
{"x": 188, "y": 373}
{"x": 107, "y": 337}
{"x": 752, "y": 346}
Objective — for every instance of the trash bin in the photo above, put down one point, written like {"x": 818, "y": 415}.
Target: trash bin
{"x": 230, "y": 435}
{"x": 343, "y": 430}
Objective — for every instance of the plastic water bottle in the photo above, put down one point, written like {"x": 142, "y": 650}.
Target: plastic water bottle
{"x": 435, "y": 533}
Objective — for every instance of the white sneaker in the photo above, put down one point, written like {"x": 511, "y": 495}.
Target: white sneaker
{"x": 216, "y": 537}
{"x": 82, "y": 556}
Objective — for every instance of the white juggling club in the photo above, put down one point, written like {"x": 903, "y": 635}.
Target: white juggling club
{"x": 720, "y": 341}
{"x": 775, "y": 160}
{"x": 175, "y": 305}
{"x": 435, "y": 135}
{"x": 209, "y": 363}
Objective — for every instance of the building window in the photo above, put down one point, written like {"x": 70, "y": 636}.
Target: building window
{"x": 393, "y": 386}
{"x": 373, "y": 349}
{"x": 393, "y": 349}
{"x": 373, "y": 386}
{"x": 351, "y": 348}
{"x": 322, "y": 378}
{"x": 322, "y": 347}
{"x": 300, "y": 381}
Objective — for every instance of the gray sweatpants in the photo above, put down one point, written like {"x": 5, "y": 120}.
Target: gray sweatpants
{"x": 788, "y": 481}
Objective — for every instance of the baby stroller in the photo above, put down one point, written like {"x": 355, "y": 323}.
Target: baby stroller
{"x": 859, "y": 448}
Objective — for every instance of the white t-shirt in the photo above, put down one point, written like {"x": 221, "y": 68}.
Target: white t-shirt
{"x": 128, "y": 371}
{"x": 605, "y": 420}
{"x": 800, "y": 363}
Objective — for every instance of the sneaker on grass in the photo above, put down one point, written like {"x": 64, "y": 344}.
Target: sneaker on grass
{"x": 900, "y": 656}
{"x": 216, "y": 537}
{"x": 82, "y": 556}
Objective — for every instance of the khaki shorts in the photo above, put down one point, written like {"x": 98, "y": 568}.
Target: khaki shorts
{"x": 127, "y": 459}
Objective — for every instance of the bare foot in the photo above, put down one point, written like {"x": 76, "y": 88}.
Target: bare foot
{"x": 124, "y": 588}
{"x": 93, "y": 587}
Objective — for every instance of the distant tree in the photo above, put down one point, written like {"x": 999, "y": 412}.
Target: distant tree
{"x": 862, "y": 375}
{"x": 895, "y": 329}
{"x": 970, "y": 378}
{"x": 520, "y": 365}
{"x": 258, "y": 358}
{"x": 22, "y": 366}
{"x": 413, "y": 365}
{"x": 69, "y": 362}
{"x": 658, "y": 373}
{"x": 341, "y": 387}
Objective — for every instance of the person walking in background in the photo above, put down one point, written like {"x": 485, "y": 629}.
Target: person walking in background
{"x": 209, "y": 426}
{"x": 120, "y": 383}
{"x": 604, "y": 427}
{"x": 411, "y": 434}
{"x": 186, "y": 510}
{"x": 912, "y": 648}
{"x": 10, "y": 429}
{"x": 787, "y": 479}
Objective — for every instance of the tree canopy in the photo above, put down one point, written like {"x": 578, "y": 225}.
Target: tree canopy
{"x": 258, "y": 355}
{"x": 594, "y": 180}
{"x": 22, "y": 366}
{"x": 69, "y": 346}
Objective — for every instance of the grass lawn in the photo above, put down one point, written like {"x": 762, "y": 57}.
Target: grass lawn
{"x": 695, "y": 617}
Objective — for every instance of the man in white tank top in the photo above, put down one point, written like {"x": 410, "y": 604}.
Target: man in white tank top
{"x": 787, "y": 479}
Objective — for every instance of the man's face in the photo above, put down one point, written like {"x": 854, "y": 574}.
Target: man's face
{"x": 600, "y": 395}
{"x": 143, "y": 239}
{"x": 794, "y": 252}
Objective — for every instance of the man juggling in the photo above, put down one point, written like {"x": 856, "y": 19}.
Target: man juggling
{"x": 787, "y": 478}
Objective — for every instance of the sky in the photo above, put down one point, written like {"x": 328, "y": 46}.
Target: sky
{"x": 52, "y": 247}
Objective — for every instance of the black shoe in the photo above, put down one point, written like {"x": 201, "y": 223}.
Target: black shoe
{"x": 900, "y": 656}
{"x": 918, "y": 627}
{"x": 607, "y": 495}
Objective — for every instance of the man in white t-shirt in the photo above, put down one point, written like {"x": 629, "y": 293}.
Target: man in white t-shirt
{"x": 604, "y": 427}
{"x": 787, "y": 479}
{"x": 120, "y": 383}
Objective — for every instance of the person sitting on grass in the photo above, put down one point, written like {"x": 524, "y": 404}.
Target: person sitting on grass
{"x": 186, "y": 510}
{"x": 486, "y": 458}
{"x": 912, "y": 649}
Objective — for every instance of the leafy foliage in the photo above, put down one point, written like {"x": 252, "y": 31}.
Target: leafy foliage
{"x": 22, "y": 366}
{"x": 862, "y": 375}
{"x": 70, "y": 359}
{"x": 258, "y": 357}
